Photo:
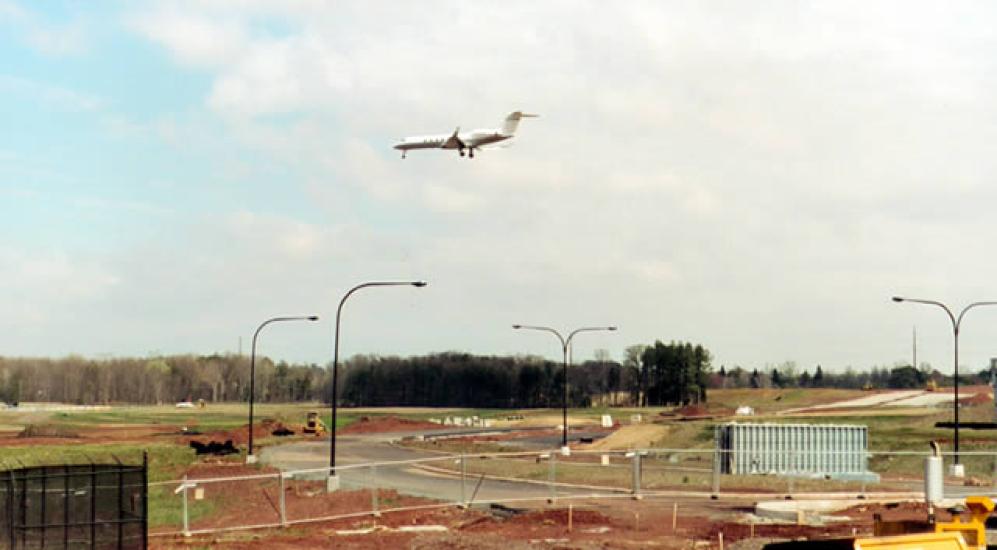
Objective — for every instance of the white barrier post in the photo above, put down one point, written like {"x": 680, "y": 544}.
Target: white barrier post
{"x": 374, "y": 502}
{"x": 283, "y": 502}
{"x": 717, "y": 457}
{"x": 635, "y": 482}
{"x": 552, "y": 477}
{"x": 463, "y": 480}
{"x": 186, "y": 517}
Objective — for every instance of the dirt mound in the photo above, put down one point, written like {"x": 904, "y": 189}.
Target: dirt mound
{"x": 631, "y": 437}
{"x": 383, "y": 424}
{"x": 702, "y": 411}
{"x": 238, "y": 436}
{"x": 47, "y": 430}
{"x": 978, "y": 399}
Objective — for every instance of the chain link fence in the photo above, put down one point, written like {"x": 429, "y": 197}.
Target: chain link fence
{"x": 270, "y": 500}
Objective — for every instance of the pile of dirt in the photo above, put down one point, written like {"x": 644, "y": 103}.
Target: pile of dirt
{"x": 634, "y": 436}
{"x": 702, "y": 411}
{"x": 47, "y": 430}
{"x": 384, "y": 424}
{"x": 977, "y": 399}
{"x": 238, "y": 436}
{"x": 214, "y": 448}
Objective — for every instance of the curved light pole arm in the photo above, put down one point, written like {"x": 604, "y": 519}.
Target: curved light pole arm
{"x": 252, "y": 369}
{"x": 565, "y": 346}
{"x": 587, "y": 329}
{"x": 335, "y": 360}
{"x": 564, "y": 343}
{"x": 958, "y": 322}
{"x": 956, "y": 325}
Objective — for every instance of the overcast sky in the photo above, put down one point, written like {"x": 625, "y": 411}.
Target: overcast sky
{"x": 758, "y": 177}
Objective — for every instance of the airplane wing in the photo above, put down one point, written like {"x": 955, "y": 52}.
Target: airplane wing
{"x": 453, "y": 142}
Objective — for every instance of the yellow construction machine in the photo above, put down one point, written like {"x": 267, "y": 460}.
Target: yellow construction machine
{"x": 314, "y": 425}
{"x": 913, "y": 535}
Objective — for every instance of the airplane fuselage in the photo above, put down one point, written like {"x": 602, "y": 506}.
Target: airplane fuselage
{"x": 458, "y": 140}
{"x": 464, "y": 141}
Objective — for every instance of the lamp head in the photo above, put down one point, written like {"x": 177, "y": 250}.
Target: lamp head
{"x": 313, "y": 317}
{"x": 517, "y": 326}
{"x": 897, "y": 299}
{"x": 611, "y": 328}
{"x": 419, "y": 284}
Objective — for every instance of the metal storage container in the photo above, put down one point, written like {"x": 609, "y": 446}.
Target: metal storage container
{"x": 812, "y": 450}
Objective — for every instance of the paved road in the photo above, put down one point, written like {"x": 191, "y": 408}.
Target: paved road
{"x": 405, "y": 478}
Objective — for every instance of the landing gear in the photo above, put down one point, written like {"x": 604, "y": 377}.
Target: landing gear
{"x": 403, "y": 154}
{"x": 461, "y": 151}
{"x": 470, "y": 153}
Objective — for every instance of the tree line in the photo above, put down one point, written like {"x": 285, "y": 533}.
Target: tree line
{"x": 157, "y": 380}
{"x": 789, "y": 375}
{"x": 659, "y": 374}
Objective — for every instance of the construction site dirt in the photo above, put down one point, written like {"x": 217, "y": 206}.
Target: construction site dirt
{"x": 613, "y": 523}
{"x": 618, "y": 524}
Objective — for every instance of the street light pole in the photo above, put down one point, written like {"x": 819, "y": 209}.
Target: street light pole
{"x": 332, "y": 482}
{"x": 565, "y": 346}
{"x": 956, "y": 325}
{"x": 250, "y": 458}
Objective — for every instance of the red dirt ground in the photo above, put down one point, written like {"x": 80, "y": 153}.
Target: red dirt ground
{"x": 977, "y": 399}
{"x": 239, "y": 436}
{"x": 384, "y": 424}
{"x": 95, "y": 434}
{"x": 620, "y": 524}
{"x": 613, "y": 524}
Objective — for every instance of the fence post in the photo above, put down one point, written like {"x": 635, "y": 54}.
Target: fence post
{"x": 44, "y": 516}
{"x": 865, "y": 470}
{"x": 283, "y": 499}
{"x": 10, "y": 509}
{"x": 552, "y": 477}
{"x": 463, "y": 480}
{"x": 993, "y": 478}
{"x": 715, "y": 493}
{"x": 374, "y": 502}
{"x": 636, "y": 482}
{"x": 93, "y": 505}
{"x": 186, "y": 519}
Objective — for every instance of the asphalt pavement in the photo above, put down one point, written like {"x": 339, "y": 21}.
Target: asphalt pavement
{"x": 423, "y": 479}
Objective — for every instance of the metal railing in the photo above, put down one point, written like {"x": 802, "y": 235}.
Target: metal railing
{"x": 282, "y": 499}
{"x": 74, "y": 506}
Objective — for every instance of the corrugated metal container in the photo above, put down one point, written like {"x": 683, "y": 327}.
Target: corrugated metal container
{"x": 824, "y": 450}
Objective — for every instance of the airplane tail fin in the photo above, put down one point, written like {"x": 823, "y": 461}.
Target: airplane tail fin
{"x": 512, "y": 122}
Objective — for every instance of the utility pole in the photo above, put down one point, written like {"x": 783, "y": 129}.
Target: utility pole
{"x": 915, "y": 347}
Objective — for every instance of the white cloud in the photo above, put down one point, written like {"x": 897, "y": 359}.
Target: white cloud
{"x": 194, "y": 40}
{"x": 42, "y": 285}
{"x": 59, "y": 96}
{"x": 68, "y": 38}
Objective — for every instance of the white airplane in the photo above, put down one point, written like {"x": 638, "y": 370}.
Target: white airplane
{"x": 467, "y": 140}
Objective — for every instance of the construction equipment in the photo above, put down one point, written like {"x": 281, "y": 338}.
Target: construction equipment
{"x": 914, "y": 535}
{"x": 314, "y": 425}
